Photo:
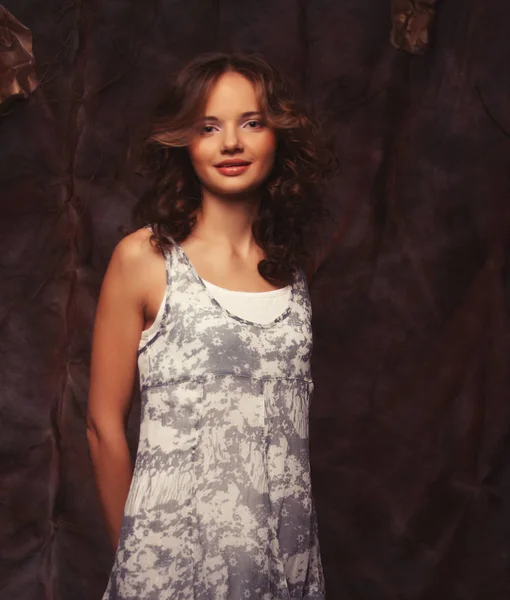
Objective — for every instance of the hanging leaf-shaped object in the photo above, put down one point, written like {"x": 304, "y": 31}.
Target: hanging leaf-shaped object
{"x": 412, "y": 22}
{"x": 17, "y": 74}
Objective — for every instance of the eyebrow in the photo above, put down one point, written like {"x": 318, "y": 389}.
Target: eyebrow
{"x": 245, "y": 115}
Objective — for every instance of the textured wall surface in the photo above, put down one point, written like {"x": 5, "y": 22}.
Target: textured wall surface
{"x": 410, "y": 421}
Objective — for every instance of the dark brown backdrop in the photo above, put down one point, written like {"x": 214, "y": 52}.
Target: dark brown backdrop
{"x": 410, "y": 423}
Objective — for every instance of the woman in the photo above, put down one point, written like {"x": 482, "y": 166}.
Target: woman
{"x": 210, "y": 297}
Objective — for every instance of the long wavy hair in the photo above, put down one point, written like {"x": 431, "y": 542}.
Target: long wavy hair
{"x": 292, "y": 200}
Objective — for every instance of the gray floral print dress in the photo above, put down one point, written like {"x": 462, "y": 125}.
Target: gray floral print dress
{"x": 220, "y": 505}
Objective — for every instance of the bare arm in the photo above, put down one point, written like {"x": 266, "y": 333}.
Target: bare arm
{"x": 118, "y": 325}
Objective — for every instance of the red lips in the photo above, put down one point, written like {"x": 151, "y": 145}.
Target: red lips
{"x": 233, "y": 162}
{"x": 232, "y": 167}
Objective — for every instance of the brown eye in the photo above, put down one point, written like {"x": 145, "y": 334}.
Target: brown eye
{"x": 254, "y": 124}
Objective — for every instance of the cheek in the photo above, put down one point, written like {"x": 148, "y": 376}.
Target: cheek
{"x": 198, "y": 153}
{"x": 270, "y": 152}
{"x": 267, "y": 148}
{"x": 192, "y": 155}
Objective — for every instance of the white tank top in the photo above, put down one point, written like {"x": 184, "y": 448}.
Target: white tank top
{"x": 259, "y": 307}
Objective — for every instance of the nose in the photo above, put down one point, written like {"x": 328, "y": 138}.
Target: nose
{"x": 231, "y": 140}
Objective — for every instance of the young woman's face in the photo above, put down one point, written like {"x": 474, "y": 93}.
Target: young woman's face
{"x": 232, "y": 150}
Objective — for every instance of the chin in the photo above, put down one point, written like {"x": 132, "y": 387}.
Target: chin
{"x": 235, "y": 188}
{"x": 235, "y": 194}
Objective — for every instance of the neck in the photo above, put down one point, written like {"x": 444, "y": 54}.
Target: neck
{"x": 227, "y": 220}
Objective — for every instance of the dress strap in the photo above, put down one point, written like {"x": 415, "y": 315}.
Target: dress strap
{"x": 167, "y": 255}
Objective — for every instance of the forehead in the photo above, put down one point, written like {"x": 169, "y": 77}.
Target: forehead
{"x": 232, "y": 94}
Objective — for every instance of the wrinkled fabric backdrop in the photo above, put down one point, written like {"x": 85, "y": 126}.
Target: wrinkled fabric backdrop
{"x": 410, "y": 421}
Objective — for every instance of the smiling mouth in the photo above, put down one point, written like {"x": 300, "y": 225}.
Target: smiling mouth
{"x": 234, "y": 163}
{"x": 232, "y": 169}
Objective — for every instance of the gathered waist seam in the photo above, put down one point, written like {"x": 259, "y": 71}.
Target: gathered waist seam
{"x": 211, "y": 376}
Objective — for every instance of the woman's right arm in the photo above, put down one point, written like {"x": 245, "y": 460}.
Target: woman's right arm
{"x": 118, "y": 324}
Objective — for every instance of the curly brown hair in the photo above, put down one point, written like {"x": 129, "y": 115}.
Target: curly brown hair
{"x": 292, "y": 201}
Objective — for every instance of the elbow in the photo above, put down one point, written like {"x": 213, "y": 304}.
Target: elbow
{"x": 97, "y": 434}
{"x": 93, "y": 436}
{"x": 92, "y": 429}
{"x": 104, "y": 433}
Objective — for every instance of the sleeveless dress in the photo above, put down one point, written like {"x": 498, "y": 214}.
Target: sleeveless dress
{"x": 220, "y": 505}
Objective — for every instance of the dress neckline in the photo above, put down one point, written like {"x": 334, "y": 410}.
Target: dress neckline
{"x": 243, "y": 294}
{"x": 213, "y": 300}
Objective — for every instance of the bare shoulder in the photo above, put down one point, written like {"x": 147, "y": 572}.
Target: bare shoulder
{"x": 137, "y": 265}
{"x": 136, "y": 255}
{"x": 135, "y": 248}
